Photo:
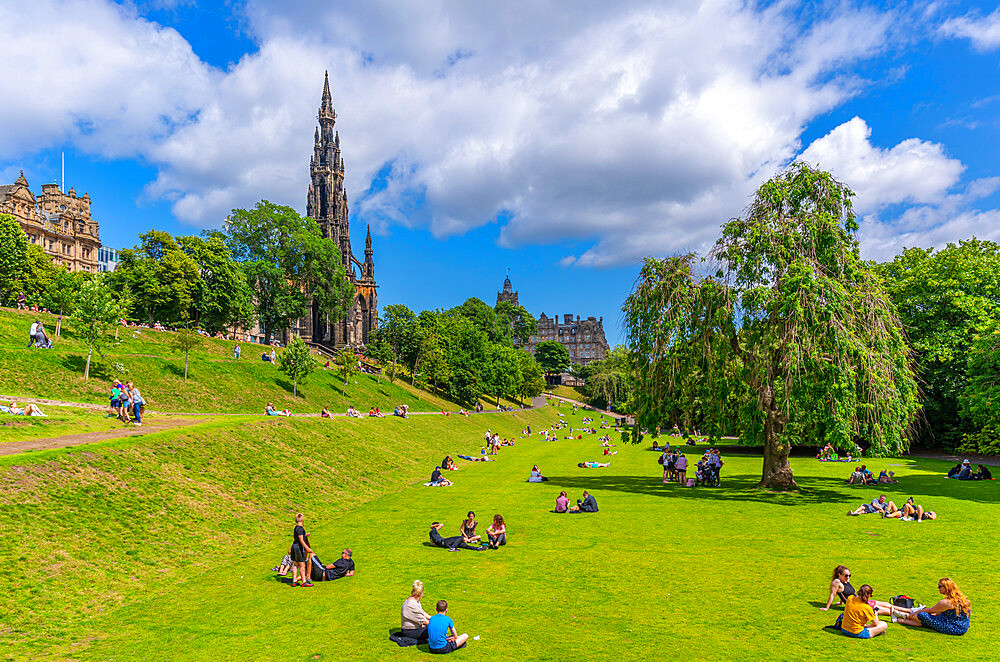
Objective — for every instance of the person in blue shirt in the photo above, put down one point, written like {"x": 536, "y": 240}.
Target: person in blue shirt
{"x": 442, "y": 637}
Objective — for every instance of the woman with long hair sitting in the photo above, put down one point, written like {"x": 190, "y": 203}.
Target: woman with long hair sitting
{"x": 840, "y": 587}
{"x": 497, "y": 533}
{"x": 950, "y": 615}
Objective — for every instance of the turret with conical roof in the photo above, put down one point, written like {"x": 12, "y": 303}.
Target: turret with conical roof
{"x": 508, "y": 293}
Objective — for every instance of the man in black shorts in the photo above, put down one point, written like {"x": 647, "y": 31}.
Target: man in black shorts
{"x": 452, "y": 544}
{"x": 342, "y": 567}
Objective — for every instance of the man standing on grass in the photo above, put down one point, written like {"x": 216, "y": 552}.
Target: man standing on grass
{"x": 31, "y": 333}
{"x": 442, "y": 637}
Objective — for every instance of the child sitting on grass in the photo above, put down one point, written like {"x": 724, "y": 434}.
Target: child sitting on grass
{"x": 442, "y": 637}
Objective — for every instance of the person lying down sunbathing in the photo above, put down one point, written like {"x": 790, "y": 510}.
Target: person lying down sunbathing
{"x": 593, "y": 465}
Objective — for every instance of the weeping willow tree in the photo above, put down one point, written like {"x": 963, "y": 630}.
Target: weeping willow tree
{"x": 792, "y": 340}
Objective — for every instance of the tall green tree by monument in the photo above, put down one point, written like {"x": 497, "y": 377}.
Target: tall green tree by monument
{"x": 793, "y": 316}
{"x": 552, "y": 356}
{"x": 221, "y": 297}
{"x": 162, "y": 278}
{"x": 515, "y": 322}
{"x": 297, "y": 362}
{"x": 98, "y": 310}
{"x": 287, "y": 263}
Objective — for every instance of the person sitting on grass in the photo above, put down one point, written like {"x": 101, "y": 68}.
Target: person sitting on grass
{"x": 857, "y": 478}
{"x": 301, "y": 553}
{"x": 413, "y": 618}
{"x": 887, "y": 477}
{"x": 497, "y": 532}
{"x": 325, "y": 413}
{"x": 984, "y": 473}
{"x": 453, "y": 543}
{"x": 437, "y": 480}
{"x": 468, "y": 529}
{"x": 448, "y": 464}
{"x": 954, "y": 470}
{"x": 951, "y": 614}
{"x": 841, "y": 588}
{"x": 859, "y": 619}
{"x": 442, "y": 637}
{"x": 593, "y": 465}
{"x": 608, "y": 451}
{"x": 536, "y": 475}
{"x": 342, "y": 567}
{"x": 562, "y": 502}
{"x": 965, "y": 473}
{"x": 587, "y": 505}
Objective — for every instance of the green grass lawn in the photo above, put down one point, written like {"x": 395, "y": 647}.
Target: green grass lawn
{"x": 160, "y": 548}
{"x": 217, "y": 383}
{"x": 571, "y": 392}
{"x": 59, "y": 421}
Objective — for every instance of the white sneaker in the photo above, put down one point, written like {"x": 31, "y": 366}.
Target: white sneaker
{"x": 895, "y": 615}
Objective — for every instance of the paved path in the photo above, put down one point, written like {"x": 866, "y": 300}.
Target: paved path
{"x": 48, "y": 443}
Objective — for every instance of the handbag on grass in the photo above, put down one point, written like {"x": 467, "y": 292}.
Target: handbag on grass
{"x": 904, "y": 601}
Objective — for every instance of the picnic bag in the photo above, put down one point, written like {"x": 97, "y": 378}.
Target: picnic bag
{"x": 904, "y": 601}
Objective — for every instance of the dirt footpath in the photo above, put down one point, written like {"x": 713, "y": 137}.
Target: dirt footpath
{"x": 15, "y": 447}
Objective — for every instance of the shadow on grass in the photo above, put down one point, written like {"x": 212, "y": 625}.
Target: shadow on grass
{"x": 76, "y": 364}
{"x": 737, "y": 487}
{"x": 919, "y": 487}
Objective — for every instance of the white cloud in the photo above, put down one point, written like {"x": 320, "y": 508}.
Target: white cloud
{"x": 982, "y": 31}
{"x": 637, "y": 125}
{"x": 926, "y": 227}
{"x": 914, "y": 171}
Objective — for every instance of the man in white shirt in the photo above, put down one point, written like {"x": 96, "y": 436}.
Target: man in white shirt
{"x": 31, "y": 333}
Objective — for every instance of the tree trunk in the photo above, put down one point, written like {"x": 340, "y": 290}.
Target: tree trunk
{"x": 346, "y": 377}
{"x": 90, "y": 352}
{"x": 185, "y": 365}
{"x": 59, "y": 323}
{"x": 777, "y": 473}
{"x": 295, "y": 386}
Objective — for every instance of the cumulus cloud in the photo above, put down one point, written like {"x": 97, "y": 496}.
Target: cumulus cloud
{"x": 982, "y": 31}
{"x": 637, "y": 126}
{"x": 914, "y": 171}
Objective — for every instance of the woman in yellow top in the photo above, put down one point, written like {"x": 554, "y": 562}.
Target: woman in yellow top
{"x": 859, "y": 619}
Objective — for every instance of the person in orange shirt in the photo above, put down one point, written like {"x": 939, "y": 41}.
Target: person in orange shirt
{"x": 859, "y": 619}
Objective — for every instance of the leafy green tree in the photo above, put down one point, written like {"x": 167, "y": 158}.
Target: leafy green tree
{"x": 380, "y": 350}
{"x": 185, "y": 340}
{"x": 287, "y": 263}
{"x": 13, "y": 253}
{"x": 435, "y": 362}
{"x": 552, "y": 356}
{"x": 945, "y": 299}
{"x": 515, "y": 322}
{"x": 346, "y": 362}
{"x": 296, "y": 362}
{"x": 532, "y": 381}
{"x": 981, "y": 394}
{"x": 163, "y": 279}
{"x": 98, "y": 310}
{"x": 503, "y": 372}
{"x": 221, "y": 296}
{"x": 38, "y": 276}
{"x": 608, "y": 381}
{"x": 818, "y": 342}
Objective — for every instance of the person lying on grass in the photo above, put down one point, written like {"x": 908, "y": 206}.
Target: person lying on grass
{"x": 301, "y": 553}
{"x": 878, "y": 505}
{"x": 840, "y": 587}
{"x": 270, "y": 410}
{"x": 453, "y": 543}
{"x": 497, "y": 532}
{"x": 859, "y": 619}
{"x": 951, "y": 614}
{"x": 912, "y": 512}
{"x": 413, "y": 619}
{"x": 587, "y": 505}
{"x": 593, "y": 465}
{"x": 342, "y": 567}
{"x": 468, "y": 529}
{"x": 442, "y": 637}
{"x": 30, "y": 409}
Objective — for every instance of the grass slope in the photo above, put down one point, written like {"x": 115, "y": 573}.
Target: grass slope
{"x": 181, "y": 533}
{"x": 60, "y": 421}
{"x": 216, "y": 382}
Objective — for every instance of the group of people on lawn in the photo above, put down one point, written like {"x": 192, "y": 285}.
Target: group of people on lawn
{"x": 126, "y": 402}
{"x": 863, "y": 476}
{"x": 964, "y": 471}
{"x": 910, "y": 512}
{"x": 496, "y": 535}
{"x": 949, "y": 615}
{"x": 37, "y": 336}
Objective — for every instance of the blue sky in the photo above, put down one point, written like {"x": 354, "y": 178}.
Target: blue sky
{"x": 563, "y": 140}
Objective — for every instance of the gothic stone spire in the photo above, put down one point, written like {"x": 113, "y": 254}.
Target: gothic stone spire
{"x": 326, "y": 110}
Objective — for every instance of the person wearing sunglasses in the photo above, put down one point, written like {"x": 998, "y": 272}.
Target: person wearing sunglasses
{"x": 840, "y": 587}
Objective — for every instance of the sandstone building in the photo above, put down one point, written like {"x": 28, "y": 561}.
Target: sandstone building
{"x": 583, "y": 338}
{"x": 507, "y": 294}
{"x": 326, "y": 203}
{"x": 58, "y": 222}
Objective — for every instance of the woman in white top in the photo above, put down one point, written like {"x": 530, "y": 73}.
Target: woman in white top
{"x": 413, "y": 618}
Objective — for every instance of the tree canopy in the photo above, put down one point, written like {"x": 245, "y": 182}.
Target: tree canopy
{"x": 552, "y": 356}
{"x": 793, "y": 321}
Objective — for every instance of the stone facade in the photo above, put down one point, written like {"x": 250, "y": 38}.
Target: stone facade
{"x": 507, "y": 294}
{"x": 583, "y": 338}
{"x": 58, "y": 222}
{"x": 326, "y": 203}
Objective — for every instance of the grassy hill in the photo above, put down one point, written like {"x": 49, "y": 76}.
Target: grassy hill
{"x": 161, "y": 548}
{"x": 216, "y": 381}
